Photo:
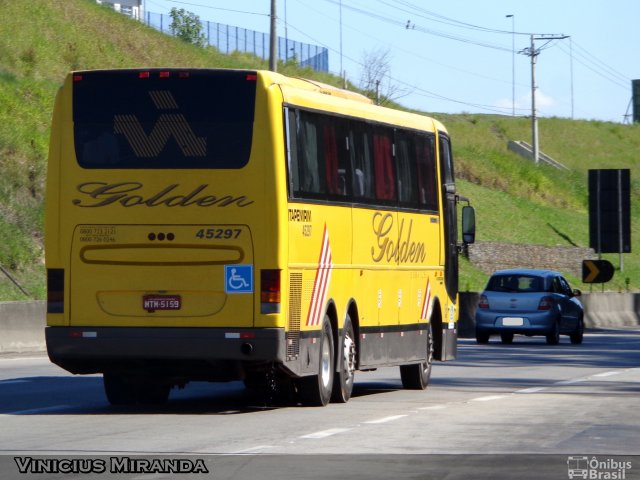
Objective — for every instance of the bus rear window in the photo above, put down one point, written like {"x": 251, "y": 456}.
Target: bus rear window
{"x": 163, "y": 119}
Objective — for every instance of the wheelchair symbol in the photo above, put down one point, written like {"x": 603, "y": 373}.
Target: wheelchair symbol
{"x": 239, "y": 278}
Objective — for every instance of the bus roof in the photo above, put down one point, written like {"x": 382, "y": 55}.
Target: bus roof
{"x": 295, "y": 90}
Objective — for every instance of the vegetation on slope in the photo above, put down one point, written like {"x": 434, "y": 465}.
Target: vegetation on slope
{"x": 515, "y": 200}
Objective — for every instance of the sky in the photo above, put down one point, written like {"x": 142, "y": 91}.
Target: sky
{"x": 465, "y": 56}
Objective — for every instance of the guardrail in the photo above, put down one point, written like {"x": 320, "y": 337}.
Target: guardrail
{"x": 22, "y": 323}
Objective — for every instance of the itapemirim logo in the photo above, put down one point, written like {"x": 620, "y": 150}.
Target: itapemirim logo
{"x": 595, "y": 468}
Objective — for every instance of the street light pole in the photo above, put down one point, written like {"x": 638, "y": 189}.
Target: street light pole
{"x": 513, "y": 64}
{"x": 273, "y": 44}
{"x": 534, "y": 116}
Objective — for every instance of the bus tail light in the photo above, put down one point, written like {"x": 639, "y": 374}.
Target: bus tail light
{"x": 483, "y": 302}
{"x": 269, "y": 291}
{"x": 545, "y": 303}
{"x": 55, "y": 290}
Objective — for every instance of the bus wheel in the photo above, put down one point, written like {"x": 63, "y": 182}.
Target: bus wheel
{"x": 119, "y": 391}
{"x": 416, "y": 376}
{"x": 153, "y": 393}
{"x": 346, "y": 359}
{"x": 316, "y": 389}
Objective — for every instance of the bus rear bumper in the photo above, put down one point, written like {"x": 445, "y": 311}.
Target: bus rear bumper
{"x": 176, "y": 351}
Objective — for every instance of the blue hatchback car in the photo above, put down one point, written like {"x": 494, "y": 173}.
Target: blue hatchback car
{"x": 529, "y": 302}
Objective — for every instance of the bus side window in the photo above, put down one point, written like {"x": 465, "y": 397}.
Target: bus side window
{"x": 406, "y": 168}
{"x": 427, "y": 178}
{"x": 360, "y": 148}
{"x": 292, "y": 148}
{"x": 309, "y": 155}
{"x": 330, "y": 158}
{"x": 336, "y": 159}
{"x": 383, "y": 161}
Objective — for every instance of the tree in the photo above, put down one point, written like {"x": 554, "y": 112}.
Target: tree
{"x": 375, "y": 79}
{"x": 187, "y": 26}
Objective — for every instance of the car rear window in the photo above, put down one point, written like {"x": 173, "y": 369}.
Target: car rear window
{"x": 516, "y": 283}
{"x": 163, "y": 118}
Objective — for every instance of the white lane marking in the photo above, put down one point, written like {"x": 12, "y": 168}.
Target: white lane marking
{"x": 29, "y": 359}
{"x": 433, "y": 407}
{"x": 488, "y": 399}
{"x": 607, "y": 374}
{"x": 571, "y": 381}
{"x": 385, "y": 419}
{"x": 258, "y": 449}
{"x": 531, "y": 390}
{"x": 36, "y": 411}
{"x": 326, "y": 433}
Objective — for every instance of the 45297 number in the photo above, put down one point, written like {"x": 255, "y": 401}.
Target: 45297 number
{"x": 218, "y": 233}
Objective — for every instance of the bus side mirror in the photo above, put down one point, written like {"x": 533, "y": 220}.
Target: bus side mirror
{"x": 468, "y": 224}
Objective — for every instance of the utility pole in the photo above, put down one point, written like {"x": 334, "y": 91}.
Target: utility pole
{"x": 533, "y": 53}
{"x": 273, "y": 43}
{"x": 341, "y": 71}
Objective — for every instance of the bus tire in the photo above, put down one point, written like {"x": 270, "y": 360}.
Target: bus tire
{"x": 119, "y": 391}
{"x": 416, "y": 376}
{"x": 153, "y": 393}
{"x": 315, "y": 390}
{"x": 346, "y": 363}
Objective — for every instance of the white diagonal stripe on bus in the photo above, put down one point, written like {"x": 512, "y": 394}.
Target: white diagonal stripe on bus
{"x": 320, "y": 284}
{"x": 324, "y": 286}
{"x": 427, "y": 301}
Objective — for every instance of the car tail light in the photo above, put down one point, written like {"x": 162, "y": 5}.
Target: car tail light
{"x": 483, "y": 302}
{"x": 545, "y": 303}
{"x": 270, "y": 291}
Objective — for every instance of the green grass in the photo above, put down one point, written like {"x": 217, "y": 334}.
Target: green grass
{"x": 515, "y": 200}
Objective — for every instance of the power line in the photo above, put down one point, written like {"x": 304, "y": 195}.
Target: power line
{"x": 214, "y": 8}
{"x": 412, "y": 54}
{"x": 403, "y": 24}
{"x": 415, "y": 89}
{"x": 435, "y": 17}
{"x": 604, "y": 72}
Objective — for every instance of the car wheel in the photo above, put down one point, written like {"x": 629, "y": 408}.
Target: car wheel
{"x": 553, "y": 337}
{"x": 507, "y": 338}
{"x": 482, "y": 337}
{"x": 577, "y": 336}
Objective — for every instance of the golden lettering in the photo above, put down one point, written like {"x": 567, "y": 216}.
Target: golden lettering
{"x": 404, "y": 250}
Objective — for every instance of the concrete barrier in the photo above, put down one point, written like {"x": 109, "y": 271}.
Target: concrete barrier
{"x": 22, "y": 323}
{"x": 22, "y": 327}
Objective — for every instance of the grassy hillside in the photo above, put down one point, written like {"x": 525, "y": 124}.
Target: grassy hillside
{"x": 516, "y": 201}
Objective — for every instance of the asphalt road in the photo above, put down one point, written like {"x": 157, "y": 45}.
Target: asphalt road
{"x": 521, "y": 401}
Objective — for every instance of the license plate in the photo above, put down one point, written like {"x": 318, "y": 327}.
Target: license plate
{"x": 512, "y": 321}
{"x": 161, "y": 302}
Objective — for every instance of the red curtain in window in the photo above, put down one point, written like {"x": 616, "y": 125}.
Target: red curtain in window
{"x": 331, "y": 159}
{"x": 383, "y": 167}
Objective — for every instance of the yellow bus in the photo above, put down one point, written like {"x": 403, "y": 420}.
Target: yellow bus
{"x": 218, "y": 225}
